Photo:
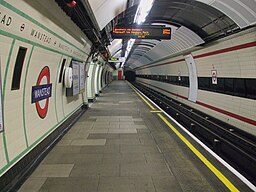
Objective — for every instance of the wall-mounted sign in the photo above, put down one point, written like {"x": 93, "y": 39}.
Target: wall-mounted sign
{"x": 116, "y": 59}
{"x": 142, "y": 32}
{"x": 179, "y": 76}
{"x": 76, "y": 72}
{"x": 214, "y": 77}
{"x": 42, "y": 92}
{"x": 78, "y": 76}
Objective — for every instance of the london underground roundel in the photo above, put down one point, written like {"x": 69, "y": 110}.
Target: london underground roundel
{"x": 42, "y": 92}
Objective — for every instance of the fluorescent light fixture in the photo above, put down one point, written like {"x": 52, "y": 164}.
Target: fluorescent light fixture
{"x": 130, "y": 44}
{"x": 129, "y": 47}
{"x": 140, "y": 16}
{"x": 143, "y": 11}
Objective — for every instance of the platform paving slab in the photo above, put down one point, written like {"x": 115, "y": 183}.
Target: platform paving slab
{"x": 32, "y": 184}
{"x": 129, "y": 184}
{"x": 53, "y": 170}
{"x": 78, "y": 184}
{"x": 118, "y": 145}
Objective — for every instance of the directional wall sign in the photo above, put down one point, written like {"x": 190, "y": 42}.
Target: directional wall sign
{"x": 214, "y": 77}
{"x": 142, "y": 32}
{"x": 116, "y": 59}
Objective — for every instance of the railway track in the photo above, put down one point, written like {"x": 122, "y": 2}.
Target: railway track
{"x": 235, "y": 146}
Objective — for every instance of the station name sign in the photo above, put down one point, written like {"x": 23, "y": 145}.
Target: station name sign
{"x": 41, "y": 92}
{"x": 142, "y": 32}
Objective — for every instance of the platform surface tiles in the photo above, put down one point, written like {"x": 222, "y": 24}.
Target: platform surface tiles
{"x": 121, "y": 145}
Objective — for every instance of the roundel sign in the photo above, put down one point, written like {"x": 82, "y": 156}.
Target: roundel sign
{"x": 42, "y": 92}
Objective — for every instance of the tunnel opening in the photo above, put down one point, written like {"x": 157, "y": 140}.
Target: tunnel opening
{"x": 130, "y": 76}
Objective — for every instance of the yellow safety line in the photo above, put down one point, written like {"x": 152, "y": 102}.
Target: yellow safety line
{"x": 215, "y": 171}
{"x": 224, "y": 180}
{"x": 153, "y": 108}
{"x": 156, "y": 111}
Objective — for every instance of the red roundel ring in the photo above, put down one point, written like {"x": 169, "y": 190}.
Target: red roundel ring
{"x": 42, "y": 110}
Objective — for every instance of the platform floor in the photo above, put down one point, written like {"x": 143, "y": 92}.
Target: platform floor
{"x": 119, "y": 145}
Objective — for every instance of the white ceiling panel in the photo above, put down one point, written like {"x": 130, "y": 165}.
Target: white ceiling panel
{"x": 115, "y": 45}
{"x": 106, "y": 10}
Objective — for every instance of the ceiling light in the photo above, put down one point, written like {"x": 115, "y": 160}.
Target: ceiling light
{"x": 140, "y": 16}
{"x": 143, "y": 11}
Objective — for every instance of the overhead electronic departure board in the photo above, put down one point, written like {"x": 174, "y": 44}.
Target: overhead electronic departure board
{"x": 141, "y": 32}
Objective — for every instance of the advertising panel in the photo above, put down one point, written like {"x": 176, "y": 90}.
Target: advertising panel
{"x": 76, "y": 73}
{"x": 78, "y": 76}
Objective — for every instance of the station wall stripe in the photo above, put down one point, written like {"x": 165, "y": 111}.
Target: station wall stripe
{"x": 233, "y": 115}
{"x": 56, "y": 84}
{"x": 174, "y": 94}
{"x": 238, "y": 47}
{"x": 10, "y": 35}
{"x": 3, "y": 98}
{"x": 24, "y": 93}
{"x": 241, "y": 118}
{"x": 229, "y": 49}
{"x": 167, "y": 63}
{"x": 26, "y": 16}
{"x": 13, "y": 161}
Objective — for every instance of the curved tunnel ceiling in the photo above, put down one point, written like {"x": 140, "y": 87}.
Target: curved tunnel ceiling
{"x": 206, "y": 19}
{"x": 182, "y": 39}
{"x": 242, "y": 12}
{"x": 201, "y": 18}
{"x": 197, "y": 22}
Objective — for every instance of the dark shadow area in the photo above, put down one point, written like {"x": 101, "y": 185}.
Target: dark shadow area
{"x": 130, "y": 76}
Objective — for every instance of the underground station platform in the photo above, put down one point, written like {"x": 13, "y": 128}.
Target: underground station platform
{"x": 124, "y": 143}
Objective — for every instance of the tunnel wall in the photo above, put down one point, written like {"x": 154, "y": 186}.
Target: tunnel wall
{"x": 37, "y": 50}
{"x": 232, "y": 60}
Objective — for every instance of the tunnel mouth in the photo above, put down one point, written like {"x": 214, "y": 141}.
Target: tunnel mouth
{"x": 130, "y": 76}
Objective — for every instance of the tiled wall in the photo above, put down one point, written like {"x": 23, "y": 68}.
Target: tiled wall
{"x": 238, "y": 63}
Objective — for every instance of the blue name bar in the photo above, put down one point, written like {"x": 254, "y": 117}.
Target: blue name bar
{"x": 41, "y": 92}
